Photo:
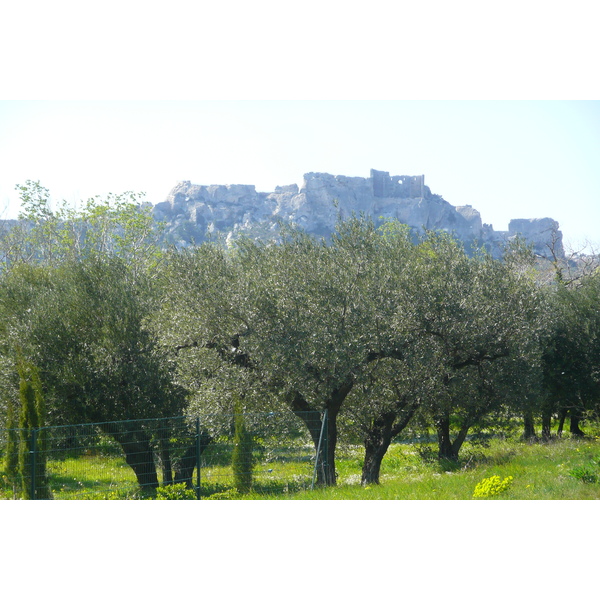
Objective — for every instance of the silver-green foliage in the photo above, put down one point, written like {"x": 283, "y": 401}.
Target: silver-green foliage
{"x": 357, "y": 326}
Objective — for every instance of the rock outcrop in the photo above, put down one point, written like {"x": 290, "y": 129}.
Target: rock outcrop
{"x": 194, "y": 212}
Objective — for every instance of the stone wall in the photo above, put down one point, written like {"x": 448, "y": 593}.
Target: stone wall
{"x": 399, "y": 186}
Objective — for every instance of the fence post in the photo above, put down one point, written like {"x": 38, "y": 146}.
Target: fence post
{"x": 326, "y": 442}
{"x": 32, "y": 452}
{"x": 197, "y": 458}
{"x": 321, "y": 435}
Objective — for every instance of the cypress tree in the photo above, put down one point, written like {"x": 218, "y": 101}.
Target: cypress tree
{"x": 12, "y": 448}
{"x": 31, "y": 423}
{"x": 242, "y": 460}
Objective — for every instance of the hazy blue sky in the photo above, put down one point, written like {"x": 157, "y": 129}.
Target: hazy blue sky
{"x": 132, "y": 95}
{"x": 509, "y": 159}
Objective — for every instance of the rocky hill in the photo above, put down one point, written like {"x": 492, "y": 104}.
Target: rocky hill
{"x": 194, "y": 212}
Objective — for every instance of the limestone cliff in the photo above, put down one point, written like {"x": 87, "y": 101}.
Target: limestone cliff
{"x": 193, "y": 212}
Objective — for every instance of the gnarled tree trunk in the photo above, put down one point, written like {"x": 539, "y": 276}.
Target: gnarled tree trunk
{"x": 384, "y": 429}
{"x": 561, "y": 421}
{"x": 138, "y": 454}
{"x": 528, "y": 426}
{"x": 448, "y": 449}
{"x": 184, "y": 466}
{"x": 575, "y": 420}
{"x": 546, "y": 424}
{"x": 326, "y": 474}
{"x": 445, "y": 448}
{"x": 313, "y": 421}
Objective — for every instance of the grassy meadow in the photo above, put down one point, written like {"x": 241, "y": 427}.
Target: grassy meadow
{"x": 539, "y": 471}
{"x": 566, "y": 468}
{"x": 560, "y": 469}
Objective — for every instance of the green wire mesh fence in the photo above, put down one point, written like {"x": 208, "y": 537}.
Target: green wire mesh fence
{"x": 216, "y": 456}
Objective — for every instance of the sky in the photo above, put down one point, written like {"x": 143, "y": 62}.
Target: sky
{"x": 508, "y": 159}
{"x": 498, "y": 109}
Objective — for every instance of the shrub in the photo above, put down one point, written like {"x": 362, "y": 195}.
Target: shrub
{"x": 231, "y": 494}
{"x": 492, "y": 486}
{"x": 177, "y": 491}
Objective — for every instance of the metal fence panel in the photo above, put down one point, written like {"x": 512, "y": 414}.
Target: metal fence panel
{"x": 174, "y": 458}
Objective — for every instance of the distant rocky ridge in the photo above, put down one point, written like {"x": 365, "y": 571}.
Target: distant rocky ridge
{"x": 192, "y": 213}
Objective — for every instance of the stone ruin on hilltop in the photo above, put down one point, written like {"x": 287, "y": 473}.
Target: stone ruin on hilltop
{"x": 193, "y": 212}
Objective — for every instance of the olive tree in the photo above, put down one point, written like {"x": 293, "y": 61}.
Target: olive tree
{"x": 78, "y": 288}
{"x": 383, "y": 404}
{"x": 571, "y": 354}
{"x": 300, "y": 320}
{"x": 82, "y": 323}
{"x": 369, "y": 324}
{"x": 480, "y": 316}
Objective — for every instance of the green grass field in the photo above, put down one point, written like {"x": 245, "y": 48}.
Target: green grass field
{"x": 540, "y": 471}
{"x": 561, "y": 469}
